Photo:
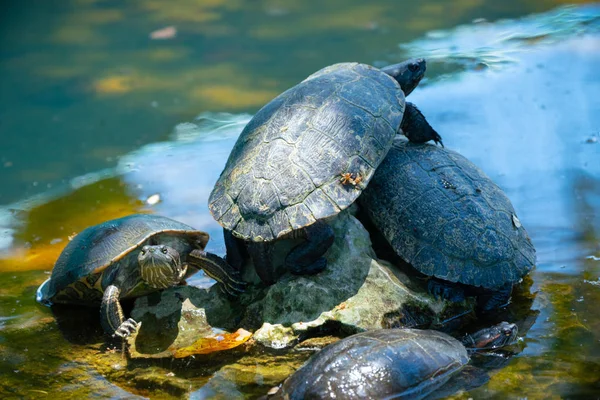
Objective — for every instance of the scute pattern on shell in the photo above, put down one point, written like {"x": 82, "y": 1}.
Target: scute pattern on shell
{"x": 284, "y": 171}
{"x": 98, "y": 246}
{"x": 387, "y": 363}
{"x": 444, "y": 216}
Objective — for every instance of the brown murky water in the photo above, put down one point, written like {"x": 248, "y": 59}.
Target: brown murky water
{"x": 83, "y": 86}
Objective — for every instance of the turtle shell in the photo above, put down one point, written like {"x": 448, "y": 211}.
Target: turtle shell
{"x": 284, "y": 172}
{"x": 446, "y": 217}
{"x": 385, "y": 363}
{"x": 100, "y": 246}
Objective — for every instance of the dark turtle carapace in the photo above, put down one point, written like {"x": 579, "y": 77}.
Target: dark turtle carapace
{"x": 445, "y": 217}
{"x": 130, "y": 257}
{"x": 389, "y": 363}
{"x": 307, "y": 155}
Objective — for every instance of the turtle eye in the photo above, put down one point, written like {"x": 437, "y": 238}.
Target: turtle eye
{"x": 413, "y": 67}
{"x": 164, "y": 250}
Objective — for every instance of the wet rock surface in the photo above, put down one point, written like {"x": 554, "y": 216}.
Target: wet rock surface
{"x": 175, "y": 323}
{"x": 356, "y": 292}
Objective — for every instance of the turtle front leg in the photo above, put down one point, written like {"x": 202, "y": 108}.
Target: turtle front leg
{"x": 218, "y": 269}
{"x": 307, "y": 258}
{"x": 491, "y": 300}
{"x": 262, "y": 257}
{"x": 111, "y": 314}
{"x": 236, "y": 250}
{"x": 441, "y": 289}
{"x": 416, "y": 128}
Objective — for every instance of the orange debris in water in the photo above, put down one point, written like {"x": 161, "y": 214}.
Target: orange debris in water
{"x": 222, "y": 341}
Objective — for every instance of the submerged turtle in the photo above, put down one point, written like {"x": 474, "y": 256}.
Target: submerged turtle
{"x": 389, "y": 363}
{"x": 130, "y": 257}
{"x": 307, "y": 155}
{"x": 445, "y": 217}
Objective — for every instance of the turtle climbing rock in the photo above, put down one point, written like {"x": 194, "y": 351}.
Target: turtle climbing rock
{"x": 444, "y": 216}
{"x": 130, "y": 257}
{"x": 389, "y": 363}
{"x": 307, "y": 155}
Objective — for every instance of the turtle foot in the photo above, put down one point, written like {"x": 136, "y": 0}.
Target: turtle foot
{"x": 307, "y": 257}
{"x": 491, "y": 300}
{"x": 126, "y": 329}
{"x": 445, "y": 290}
{"x": 312, "y": 269}
{"x": 436, "y": 138}
{"x": 416, "y": 128}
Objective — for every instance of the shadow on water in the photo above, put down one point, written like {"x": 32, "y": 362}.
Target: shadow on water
{"x": 523, "y": 107}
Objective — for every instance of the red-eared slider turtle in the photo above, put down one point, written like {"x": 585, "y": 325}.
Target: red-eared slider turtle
{"x": 130, "y": 257}
{"x": 445, "y": 217}
{"x": 307, "y": 155}
{"x": 389, "y": 363}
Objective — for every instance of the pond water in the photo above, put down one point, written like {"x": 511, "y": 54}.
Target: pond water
{"x": 89, "y": 103}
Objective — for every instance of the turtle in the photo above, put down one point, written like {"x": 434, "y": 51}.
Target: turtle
{"x": 389, "y": 363}
{"x": 307, "y": 155}
{"x": 130, "y": 257}
{"x": 450, "y": 221}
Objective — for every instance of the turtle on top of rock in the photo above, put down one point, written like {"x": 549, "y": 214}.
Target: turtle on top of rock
{"x": 445, "y": 217}
{"x": 307, "y": 155}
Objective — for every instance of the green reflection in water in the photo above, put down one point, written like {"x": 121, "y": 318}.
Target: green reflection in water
{"x": 82, "y": 83}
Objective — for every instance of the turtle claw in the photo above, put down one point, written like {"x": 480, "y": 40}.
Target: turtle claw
{"x": 312, "y": 269}
{"x": 416, "y": 128}
{"x": 437, "y": 138}
{"x": 126, "y": 329}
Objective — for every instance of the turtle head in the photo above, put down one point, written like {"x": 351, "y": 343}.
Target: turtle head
{"x": 160, "y": 266}
{"x": 495, "y": 337}
{"x": 408, "y": 73}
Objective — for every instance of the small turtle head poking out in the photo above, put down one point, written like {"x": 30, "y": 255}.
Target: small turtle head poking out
{"x": 494, "y": 337}
{"x": 160, "y": 266}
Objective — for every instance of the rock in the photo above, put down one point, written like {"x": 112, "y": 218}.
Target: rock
{"x": 181, "y": 321}
{"x": 275, "y": 336}
{"x": 356, "y": 292}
